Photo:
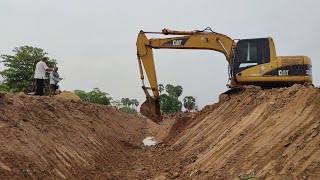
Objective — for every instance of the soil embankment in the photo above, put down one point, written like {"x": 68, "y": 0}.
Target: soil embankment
{"x": 250, "y": 133}
{"x": 268, "y": 134}
{"x": 43, "y": 138}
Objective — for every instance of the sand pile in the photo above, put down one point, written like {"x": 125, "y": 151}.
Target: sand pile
{"x": 68, "y": 96}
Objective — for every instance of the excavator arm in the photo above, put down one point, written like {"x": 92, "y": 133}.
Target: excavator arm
{"x": 183, "y": 40}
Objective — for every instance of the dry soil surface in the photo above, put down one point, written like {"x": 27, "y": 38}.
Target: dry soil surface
{"x": 250, "y": 133}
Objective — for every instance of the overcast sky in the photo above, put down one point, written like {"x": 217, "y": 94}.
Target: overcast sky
{"x": 94, "y": 41}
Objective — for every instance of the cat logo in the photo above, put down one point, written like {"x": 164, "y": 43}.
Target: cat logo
{"x": 283, "y": 72}
{"x": 177, "y": 42}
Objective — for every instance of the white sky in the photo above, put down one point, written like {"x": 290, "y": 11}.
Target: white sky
{"x": 94, "y": 41}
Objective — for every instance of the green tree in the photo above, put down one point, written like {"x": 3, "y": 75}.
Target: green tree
{"x": 170, "y": 103}
{"x": 82, "y": 94}
{"x": 128, "y": 105}
{"x": 125, "y": 101}
{"x": 170, "y": 90}
{"x": 94, "y": 96}
{"x": 130, "y": 102}
{"x": 174, "y": 90}
{"x": 117, "y": 104}
{"x": 4, "y": 87}
{"x": 98, "y": 97}
{"x": 136, "y": 102}
{"x": 178, "y": 90}
{"x": 189, "y": 102}
{"x": 20, "y": 67}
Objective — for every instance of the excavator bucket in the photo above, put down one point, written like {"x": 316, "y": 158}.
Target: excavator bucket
{"x": 151, "y": 109}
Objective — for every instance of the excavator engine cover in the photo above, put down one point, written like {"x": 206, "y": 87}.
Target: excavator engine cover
{"x": 151, "y": 109}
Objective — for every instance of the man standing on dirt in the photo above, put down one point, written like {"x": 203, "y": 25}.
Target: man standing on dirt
{"x": 40, "y": 75}
{"x": 54, "y": 79}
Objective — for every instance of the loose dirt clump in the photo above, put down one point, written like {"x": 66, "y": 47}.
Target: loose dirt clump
{"x": 67, "y": 95}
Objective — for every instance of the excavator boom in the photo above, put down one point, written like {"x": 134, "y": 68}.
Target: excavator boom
{"x": 185, "y": 40}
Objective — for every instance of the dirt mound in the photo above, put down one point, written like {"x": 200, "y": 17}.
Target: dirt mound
{"x": 268, "y": 134}
{"x": 45, "y": 138}
{"x": 250, "y": 133}
{"x": 67, "y": 95}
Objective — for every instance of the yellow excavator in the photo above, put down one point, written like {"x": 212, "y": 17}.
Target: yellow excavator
{"x": 251, "y": 62}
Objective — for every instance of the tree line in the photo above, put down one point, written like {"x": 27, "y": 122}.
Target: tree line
{"x": 169, "y": 99}
{"x": 19, "y": 71}
{"x": 99, "y": 97}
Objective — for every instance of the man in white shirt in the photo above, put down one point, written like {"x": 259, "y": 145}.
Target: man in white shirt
{"x": 40, "y": 75}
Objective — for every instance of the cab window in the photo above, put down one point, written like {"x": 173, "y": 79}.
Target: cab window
{"x": 251, "y": 52}
{"x": 248, "y": 54}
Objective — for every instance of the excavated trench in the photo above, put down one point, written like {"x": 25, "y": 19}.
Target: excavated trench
{"x": 250, "y": 133}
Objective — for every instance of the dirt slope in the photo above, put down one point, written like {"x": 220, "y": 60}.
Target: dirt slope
{"x": 265, "y": 134}
{"x": 269, "y": 134}
{"x": 64, "y": 139}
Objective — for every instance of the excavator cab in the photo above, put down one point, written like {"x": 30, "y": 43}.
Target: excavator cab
{"x": 249, "y": 53}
